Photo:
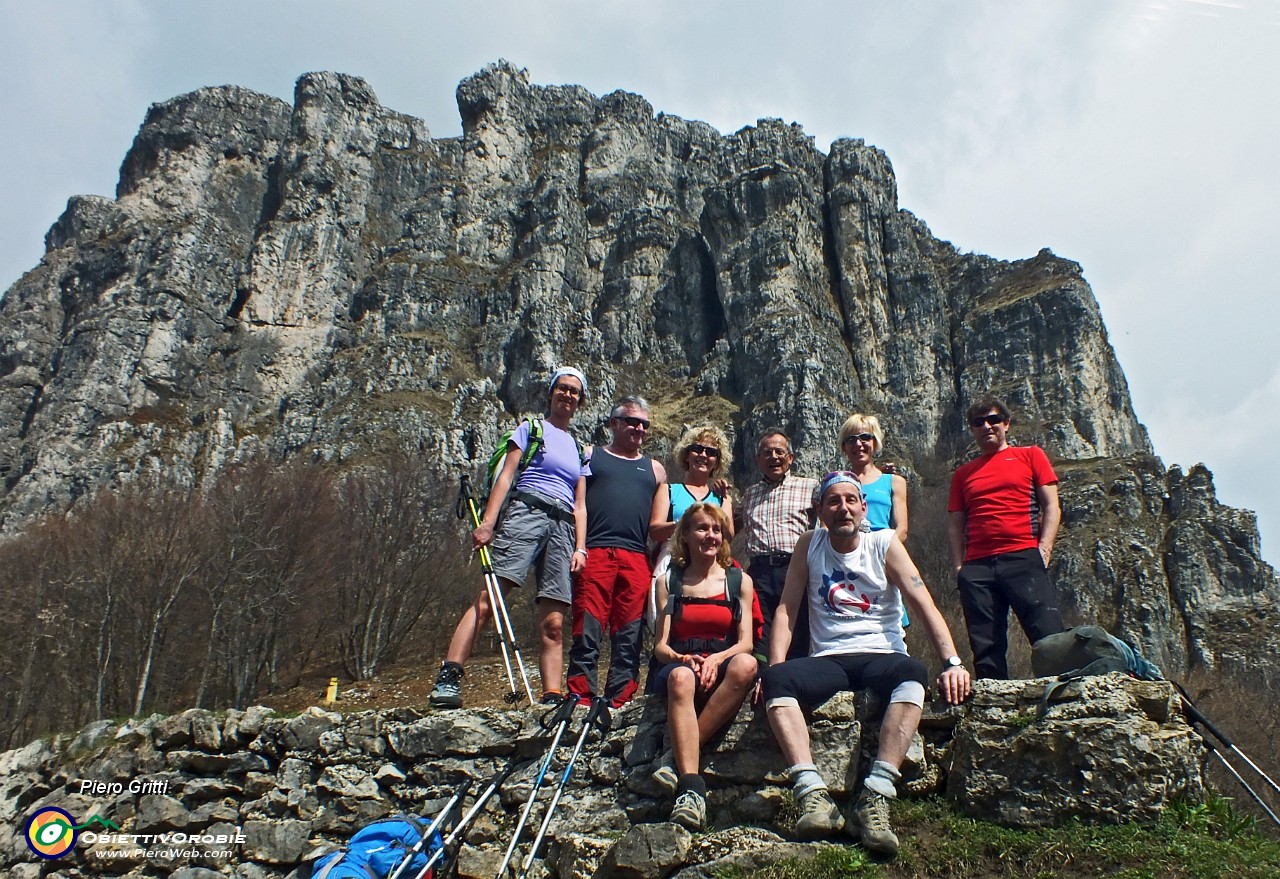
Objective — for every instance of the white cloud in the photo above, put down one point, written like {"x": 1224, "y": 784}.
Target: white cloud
{"x": 1234, "y": 435}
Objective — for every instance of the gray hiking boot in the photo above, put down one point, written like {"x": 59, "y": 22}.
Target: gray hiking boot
{"x": 690, "y": 811}
{"x": 819, "y": 816}
{"x": 871, "y": 814}
{"x": 448, "y": 689}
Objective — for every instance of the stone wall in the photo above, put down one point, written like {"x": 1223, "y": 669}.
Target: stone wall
{"x": 1112, "y": 749}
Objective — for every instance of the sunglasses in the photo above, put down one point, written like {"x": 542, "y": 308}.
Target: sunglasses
{"x": 709, "y": 451}
{"x": 568, "y": 389}
{"x": 859, "y": 438}
{"x": 984, "y": 420}
{"x": 633, "y": 421}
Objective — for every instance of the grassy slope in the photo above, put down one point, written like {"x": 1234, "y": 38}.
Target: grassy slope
{"x": 1190, "y": 842}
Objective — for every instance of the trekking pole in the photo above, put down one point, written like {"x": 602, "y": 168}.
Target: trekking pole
{"x": 465, "y": 821}
{"x": 561, "y": 716}
{"x": 431, "y": 830}
{"x": 497, "y": 604}
{"x": 1198, "y": 717}
{"x": 599, "y": 719}
{"x": 493, "y": 589}
{"x": 1244, "y": 784}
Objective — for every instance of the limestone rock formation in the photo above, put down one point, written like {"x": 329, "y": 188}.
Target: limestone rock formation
{"x": 327, "y": 280}
{"x": 289, "y": 789}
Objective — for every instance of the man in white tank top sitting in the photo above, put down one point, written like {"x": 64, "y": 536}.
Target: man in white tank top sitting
{"x": 854, "y": 583}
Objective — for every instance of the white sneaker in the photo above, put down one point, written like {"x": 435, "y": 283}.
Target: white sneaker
{"x": 690, "y": 811}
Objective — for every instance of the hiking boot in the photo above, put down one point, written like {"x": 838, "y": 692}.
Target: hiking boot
{"x": 819, "y": 815}
{"x": 448, "y": 689}
{"x": 690, "y": 811}
{"x": 551, "y": 697}
{"x": 871, "y": 815}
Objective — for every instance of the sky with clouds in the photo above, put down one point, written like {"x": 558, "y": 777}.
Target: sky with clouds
{"x": 1138, "y": 137}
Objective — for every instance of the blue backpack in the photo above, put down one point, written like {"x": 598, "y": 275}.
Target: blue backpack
{"x": 377, "y": 849}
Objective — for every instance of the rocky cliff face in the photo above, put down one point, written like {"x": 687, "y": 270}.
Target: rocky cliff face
{"x": 329, "y": 280}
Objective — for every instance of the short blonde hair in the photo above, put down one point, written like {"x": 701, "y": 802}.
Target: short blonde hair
{"x": 860, "y": 423}
{"x": 680, "y": 553}
{"x": 706, "y": 435}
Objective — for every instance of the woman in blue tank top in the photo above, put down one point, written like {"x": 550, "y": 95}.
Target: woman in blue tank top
{"x": 703, "y": 455}
{"x": 861, "y": 440}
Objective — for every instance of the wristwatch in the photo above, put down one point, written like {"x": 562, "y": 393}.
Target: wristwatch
{"x": 955, "y": 662}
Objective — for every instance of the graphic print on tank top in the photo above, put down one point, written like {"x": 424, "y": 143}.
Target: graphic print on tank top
{"x": 840, "y": 589}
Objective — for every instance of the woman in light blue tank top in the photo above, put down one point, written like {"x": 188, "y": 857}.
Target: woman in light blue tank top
{"x": 703, "y": 455}
{"x": 861, "y": 440}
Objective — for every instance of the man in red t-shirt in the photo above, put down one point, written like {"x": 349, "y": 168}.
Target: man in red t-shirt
{"x": 1004, "y": 517}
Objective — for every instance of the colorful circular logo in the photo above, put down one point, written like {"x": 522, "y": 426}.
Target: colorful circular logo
{"x": 51, "y": 833}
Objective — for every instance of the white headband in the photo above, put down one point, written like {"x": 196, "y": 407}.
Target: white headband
{"x": 561, "y": 372}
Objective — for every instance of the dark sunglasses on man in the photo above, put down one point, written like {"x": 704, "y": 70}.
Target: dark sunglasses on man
{"x": 633, "y": 421}
{"x": 983, "y": 420}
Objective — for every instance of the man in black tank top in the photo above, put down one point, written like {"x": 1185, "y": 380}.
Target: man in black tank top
{"x": 611, "y": 588}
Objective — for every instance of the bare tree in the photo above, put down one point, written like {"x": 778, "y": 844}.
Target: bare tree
{"x": 273, "y": 528}
{"x": 388, "y": 560}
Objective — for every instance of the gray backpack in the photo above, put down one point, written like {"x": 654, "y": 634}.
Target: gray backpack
{"x": 1084, "y": 651}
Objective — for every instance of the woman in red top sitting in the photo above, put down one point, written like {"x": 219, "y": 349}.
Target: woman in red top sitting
{"x": 704, "y": 651}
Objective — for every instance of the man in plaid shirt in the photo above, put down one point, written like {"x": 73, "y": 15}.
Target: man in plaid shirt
{"x": 775, "y": 512}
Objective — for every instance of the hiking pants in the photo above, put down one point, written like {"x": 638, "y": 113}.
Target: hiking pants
{"x": 989, "y": 587}
{"x": 769, "y": 575}
{"x": 611, "y": 592}
{"x": 812, "y": 680}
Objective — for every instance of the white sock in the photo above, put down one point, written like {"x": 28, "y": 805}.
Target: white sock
{"x": 805, "y": 778}
{"x": 883, "y": 779}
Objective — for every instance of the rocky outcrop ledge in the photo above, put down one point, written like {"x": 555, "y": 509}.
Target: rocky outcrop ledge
{"x": 288, "y": 789}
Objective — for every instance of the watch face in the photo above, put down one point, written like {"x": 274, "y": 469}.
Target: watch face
{"x": 955, "y": 662}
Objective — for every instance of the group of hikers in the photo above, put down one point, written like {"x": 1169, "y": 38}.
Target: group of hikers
{"x": 821, "y": 607}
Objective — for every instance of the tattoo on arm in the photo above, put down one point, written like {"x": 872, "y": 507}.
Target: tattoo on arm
{"x": 917, "y": 582}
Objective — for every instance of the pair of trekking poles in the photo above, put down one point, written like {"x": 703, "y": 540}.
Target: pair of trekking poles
{"x": 556, "y": 722}
{"x": 497, "y": 603}
{"x": 1197, "y": 717}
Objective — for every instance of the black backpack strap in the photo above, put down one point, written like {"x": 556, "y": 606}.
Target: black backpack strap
{"x": 733, "y": 598}
{"x": 1105, "y": 665}
{"x": 331, "y": 866}
{"x": 675, "y": 591}
{"x": 733, "y": 589}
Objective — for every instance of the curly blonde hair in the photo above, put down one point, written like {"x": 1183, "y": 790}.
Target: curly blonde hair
{"x": 680, "y": 553}
{"x": 705, "y": 435}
